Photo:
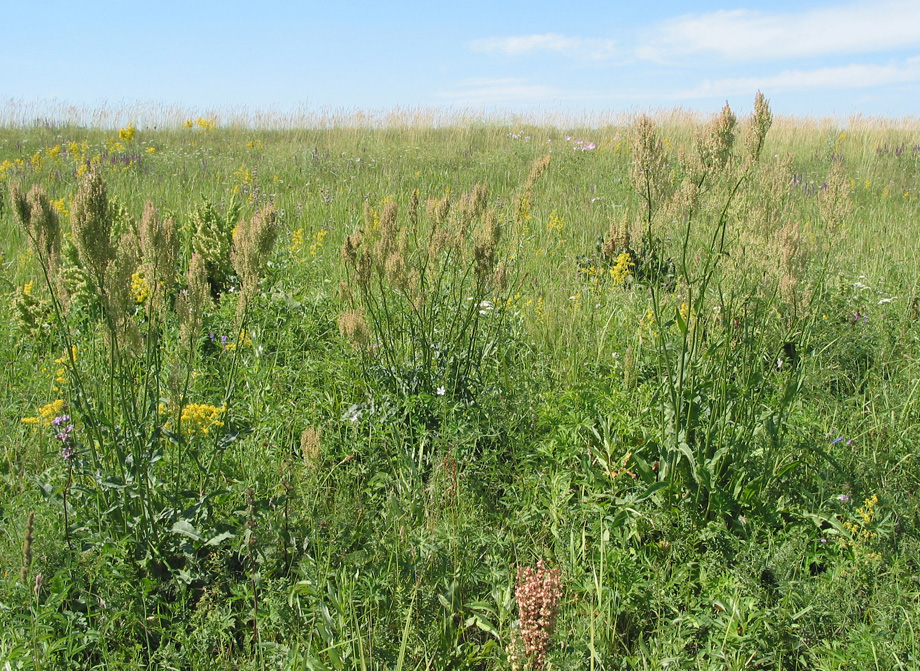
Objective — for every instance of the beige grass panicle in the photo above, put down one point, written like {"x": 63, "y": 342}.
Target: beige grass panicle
{"x": 253, "y": 242}
{"x": 756, "y": 132}
{"x": 91, "y": 221}
{"x": 159, "y": 243}
{"x": 40, "y": 222}
{"x": 192, "y": 302}
{"x": 311, "y": 447}
{"x": 650, "y": 174}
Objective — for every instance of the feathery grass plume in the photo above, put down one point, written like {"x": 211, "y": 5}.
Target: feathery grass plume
{"x": 473, "y": 204}
{"x": 253, "y": 242}
{"x": 756, "y": 132}
{"x": 714, "y": 144}
{"x": 394, "y": 270}
{"x": 770, "y": 195}
{"x": 387, "y": 234}
{"x": 791, "y": 258}
{"x": 91, "y": 220}
{"x": 358, "y": 258}
{"x": 499, "y": 277}
{"x": 353, "y": 327}
{"x": 40, "y": 222}
{"x": 618, "y": 238}
{"x": 413, "y": 208}
{"x": 191, "y": 304}
{"x": 345, "y": 293}
{"x": 311, "y": 446}
{"x": 485, "y": 242}
{"x": 27, "y": 549}
{"x": 439, "y": 240}
{"x": 118, "y": 299}
{"x": 20, "y": 206}
{"x": 525, "y": 198}
{"x": 159, "y": 245}
{"x": 371, "y": 219}
{"x": 650, "y": 173}
{"x": 536, "y": 171}
{"x": 834, "y": 199}
{"x": 439, "y": 209}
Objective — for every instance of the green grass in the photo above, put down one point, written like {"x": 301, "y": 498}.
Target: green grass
{"x": 669, "y": 442}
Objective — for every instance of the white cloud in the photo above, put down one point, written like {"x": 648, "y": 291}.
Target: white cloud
{"x": 837, "y": 78}
{"x": 520, "y": 45}
{"x": 751, "y": 35}
{"x": 508, "y": 90}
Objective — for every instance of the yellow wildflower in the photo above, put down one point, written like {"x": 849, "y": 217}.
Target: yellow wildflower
{"x": 127, "y": 134}
{"x": 200, "y": 417}
{"x": 140, "y": 290}
{"x": 243, "y": 341}
{"x": 296, "y": 241}
{"x": 46, "y": 413}
{"x": 622, "y": 269}
{"x": 65, "y": 358}
{"x": 61, "y": 206}
{"x": 317, "y": 241}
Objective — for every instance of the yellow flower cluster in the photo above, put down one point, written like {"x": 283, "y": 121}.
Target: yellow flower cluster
{"x": 6, "y": 167}
{"x": 317, "y": 241}
{"x": 61, "y": 206}
{"x": 622, "y": 269}
{"x": 296, "y": 241}
{"x": 555, "y": 223}
{"x": 647, "y": 325}
{"x": 861, "y": 536}
{"x": 201, "y": 122}
{"x": 60, "y": 375}
{"x": 243, "y": 341}
{"x": 46, "y": 413}
{"x": 128, "y": 134}
{"x": 200, "y": 418}
{"x": 140, "y": 290}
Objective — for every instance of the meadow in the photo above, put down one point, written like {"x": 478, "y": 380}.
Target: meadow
{"x": 464, "y": 394}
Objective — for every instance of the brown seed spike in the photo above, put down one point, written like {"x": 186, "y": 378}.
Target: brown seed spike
{"x": 91, "y": 223}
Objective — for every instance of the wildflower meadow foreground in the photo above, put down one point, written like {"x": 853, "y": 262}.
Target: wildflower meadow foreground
{"x": 477, "y": 396}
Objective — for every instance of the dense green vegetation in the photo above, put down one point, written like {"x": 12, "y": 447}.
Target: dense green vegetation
{"x": 316, "y": 398}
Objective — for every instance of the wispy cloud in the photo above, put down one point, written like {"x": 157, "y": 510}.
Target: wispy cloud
{"x": 750, "y": 35}
{"x": 854, "y": 76}
{"x": 576, "y": 47}
{"x": 506, "y": 90}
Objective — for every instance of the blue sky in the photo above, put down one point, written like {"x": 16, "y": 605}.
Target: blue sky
{"x": 809, "y": 58}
